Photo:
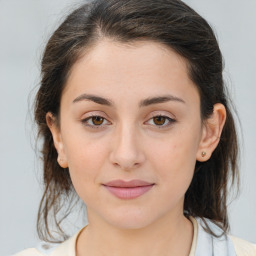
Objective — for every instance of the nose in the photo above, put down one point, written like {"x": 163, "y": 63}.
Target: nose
{"x": 127, "y": 153}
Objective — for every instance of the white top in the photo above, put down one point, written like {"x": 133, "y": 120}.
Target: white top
{"x": 203, "y": 244}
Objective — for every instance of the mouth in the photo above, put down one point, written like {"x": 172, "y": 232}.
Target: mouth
{"x": 128, "y": 189}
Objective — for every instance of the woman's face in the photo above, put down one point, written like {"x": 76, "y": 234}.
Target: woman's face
{"x": 130, "y": 132}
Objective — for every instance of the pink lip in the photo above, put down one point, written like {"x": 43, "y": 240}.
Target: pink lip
{"x": 128, "y": 189}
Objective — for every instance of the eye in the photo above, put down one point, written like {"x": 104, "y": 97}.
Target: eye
{"x": 95, "y": 121}
{"x": 161, "y": 121}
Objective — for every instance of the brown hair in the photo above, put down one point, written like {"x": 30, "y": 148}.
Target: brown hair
{"x": 169, "y": 22}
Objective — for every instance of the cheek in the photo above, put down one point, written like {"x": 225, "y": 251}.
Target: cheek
{"x": 85, "y": 160}
{"x": 175, "y": 160}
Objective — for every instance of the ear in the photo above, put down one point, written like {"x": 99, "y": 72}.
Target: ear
{"x": 57, "y": 139}
{"x": 211, "y": 133}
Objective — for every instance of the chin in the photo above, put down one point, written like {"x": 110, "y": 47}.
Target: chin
{"x": 130, "y": 219}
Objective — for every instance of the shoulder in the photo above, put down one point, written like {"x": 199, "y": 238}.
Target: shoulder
{"x": 242, "y": 247}
{"x": 66, "y": 248}
{"x": 220, "y": 244}
{"x": 42, "y": 249}
{"x": 29, "y": 252}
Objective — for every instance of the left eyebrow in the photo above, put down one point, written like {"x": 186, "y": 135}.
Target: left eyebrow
{"x": 160, "y": 99}
{"x": 143, "y": 103}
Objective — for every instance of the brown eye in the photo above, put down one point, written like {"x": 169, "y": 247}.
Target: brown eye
{"x": 159, "y": 120}
{"x": 97, "y": 120}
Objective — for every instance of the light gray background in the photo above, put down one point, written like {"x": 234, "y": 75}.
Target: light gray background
{"x": 25, "y": 26}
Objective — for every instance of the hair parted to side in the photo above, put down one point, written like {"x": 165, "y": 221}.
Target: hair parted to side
{"x": 169, "y": 22}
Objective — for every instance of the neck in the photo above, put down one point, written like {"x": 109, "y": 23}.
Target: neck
{"x": 169, "y": 236}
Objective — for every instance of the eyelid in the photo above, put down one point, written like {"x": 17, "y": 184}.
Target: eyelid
{"x": 161, "y": 114}
{"x": 90, "y": 116}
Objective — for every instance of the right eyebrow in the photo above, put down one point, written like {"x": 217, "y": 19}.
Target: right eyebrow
{"x": 94, "y": 98}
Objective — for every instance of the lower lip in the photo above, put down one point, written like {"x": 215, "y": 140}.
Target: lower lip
{"x": 128, "y": 193}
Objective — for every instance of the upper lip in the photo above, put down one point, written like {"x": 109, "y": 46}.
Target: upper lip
{"x": 127, "y": 184}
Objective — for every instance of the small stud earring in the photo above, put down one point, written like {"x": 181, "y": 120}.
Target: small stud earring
{"x": 203, "y": 154}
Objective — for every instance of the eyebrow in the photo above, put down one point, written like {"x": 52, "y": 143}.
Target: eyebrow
{"x": 159, "y": 99}
{"x": 143, "y": 103}
{"x": 94, "y": 98}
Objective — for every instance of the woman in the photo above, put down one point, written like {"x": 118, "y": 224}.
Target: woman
{"x": 134, "y": 117}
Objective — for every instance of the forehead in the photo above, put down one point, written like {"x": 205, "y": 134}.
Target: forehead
{"x": 135, "y": 53}
{"x": 138, "y": 67}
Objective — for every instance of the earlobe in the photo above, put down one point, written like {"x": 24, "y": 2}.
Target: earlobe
{"x": 211, "y": 133}
{"x": 57, "y": 139}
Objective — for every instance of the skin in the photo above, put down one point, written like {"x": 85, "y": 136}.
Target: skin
{"x": 129, "y": 143}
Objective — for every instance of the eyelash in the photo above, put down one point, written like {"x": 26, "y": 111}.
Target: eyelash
{"x": 170, "y": 121}
{"x": 85, "y": 121}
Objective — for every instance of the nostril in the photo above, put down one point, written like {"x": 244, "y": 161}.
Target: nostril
{"x": 126, "y": 154}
